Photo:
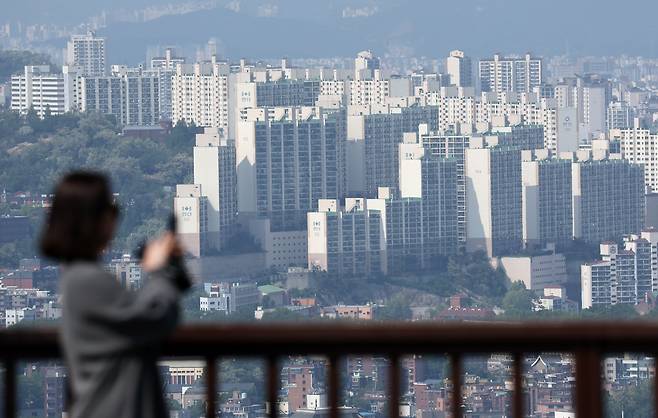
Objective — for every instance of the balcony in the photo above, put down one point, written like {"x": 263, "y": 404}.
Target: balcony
{"x": 587, "y": 341}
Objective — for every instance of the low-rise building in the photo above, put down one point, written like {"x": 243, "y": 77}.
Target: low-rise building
{"x": 272, "y": 296}
{"x": 536, "y": 272}
{"x": 554, "y": 298}
{"x": 229, "y": 298}
{"x": 127, "y": 270}
{"x": 361, "y": 312}
{"x": 14, "y": 316}
{"x": 283, "y": 249}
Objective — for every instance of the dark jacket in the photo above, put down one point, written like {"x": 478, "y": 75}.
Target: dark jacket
{"x": 111, "y": 338}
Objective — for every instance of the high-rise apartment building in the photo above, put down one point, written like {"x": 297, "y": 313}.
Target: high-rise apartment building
{"x": 501, "y": 74}
{"x": 623, "y": 275}
{"x": 546, "y": 200}
{"x": 375, "y": 133}
{"x": 131, "y": 95}
{"x": 287, "y": 160}
{"x": 349, "y": 241}
{"x": 590, "y": 97}
{"x": 619, "y": 116}
{"x": 453, "y": 146}
{"x": 37, "y": 88}
{"x": 86, "y": 53}
{"x": 214, "y": 172}
{"x": 608, "y": 196}
{"x": 274, "y": 93}
{"x": 200, "y": 94}
{"x": 164, "y": 68}
{"x": 433, "y": 180}
{"x": 374, "y": 90}
{"x": 593, "y": 106}
{"x": 640, "y": 146}
{"x": 459, "y": 106}
{"x": 459, "y": 69}
{"x": 191, "y": 210}
{"x": 365, "y": 65}
{"x": 493, "y": 199}
{"x": 525, "y": 137}
{"x": 390, "y": 233}
{"x": 169, "y": 61}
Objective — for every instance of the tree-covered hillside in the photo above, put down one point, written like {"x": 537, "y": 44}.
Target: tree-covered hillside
{"x": 12, "y": 62}
{"x": 34, "y": 154}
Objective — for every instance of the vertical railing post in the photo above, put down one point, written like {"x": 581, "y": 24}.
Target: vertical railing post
{"x": 211, "y": 386}
{"x": 588, "y": 383}
{"x": 273, "y": 377}
{"x": 655, "y": 385}
{"x": 334, "y": 386}
{"x": 517, "y": 403}
{"x": 394, "y": 386}
{"x": 456, "y": 369}
{"x": 10, "y": 388}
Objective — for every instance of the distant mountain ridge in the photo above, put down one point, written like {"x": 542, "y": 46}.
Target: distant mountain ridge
{"x": 310, "y": 28}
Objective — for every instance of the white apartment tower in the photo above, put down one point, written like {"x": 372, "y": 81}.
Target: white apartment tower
{"x": 169, "y": 61}
{"x": 132, "y": 96}
{"x": 365, "y": 65}
{"x": 164, "y": 68}
{"x": 373, "y": 90}
{"x": 624, "y": 275}
{"x": 450, "y": 145}
{"x": 640, "y": 146}
{"x": 214, "y": 172}
{"x": 288, "y": 158}
{"x": 620, "y": 115}
{"x": 200, "y": 94}
{"x": 349, "y": 241}
{"x": 191, "y": 210}
{"x": 433, "y": 180}
{"x": 87, "y": 54}
{"x": 374, "y": 135}
{"x": 459, "y": 68}
{"x": 493, "y": 200}
{"x": 40, "y": 90}
{"x": 501, "y": 74}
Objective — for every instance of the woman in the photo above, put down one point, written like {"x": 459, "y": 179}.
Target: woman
{"x": 110, "y": 336}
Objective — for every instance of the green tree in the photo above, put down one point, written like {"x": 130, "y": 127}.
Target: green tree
{"x": 143, "y": 171}
{"x": 11, "y": 253}
{"x": 621, "y": 311}
{"x": 518, "y": 300}
{"x": 630, "y": 401}
{"x": 282, "y": 314}
{"x": 396, "y": 309}
{"x": 13, "y": 62}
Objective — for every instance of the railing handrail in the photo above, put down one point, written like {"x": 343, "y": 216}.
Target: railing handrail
{"x": 346, "y": 337}
{"x": 588, "y": 340}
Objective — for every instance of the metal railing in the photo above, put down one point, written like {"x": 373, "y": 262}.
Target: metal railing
{"x": 588, "y": 341}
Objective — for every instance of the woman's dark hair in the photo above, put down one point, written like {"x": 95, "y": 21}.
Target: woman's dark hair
{"x": 75, "y": 226}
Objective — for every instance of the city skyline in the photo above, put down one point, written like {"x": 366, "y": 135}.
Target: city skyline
{"x": 370, "y": 181}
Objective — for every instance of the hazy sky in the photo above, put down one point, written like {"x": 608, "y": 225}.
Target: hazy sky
{"x": 295, "y": 28}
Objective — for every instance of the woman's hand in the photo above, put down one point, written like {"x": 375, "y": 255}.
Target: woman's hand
{"x": 159, "y": 252}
